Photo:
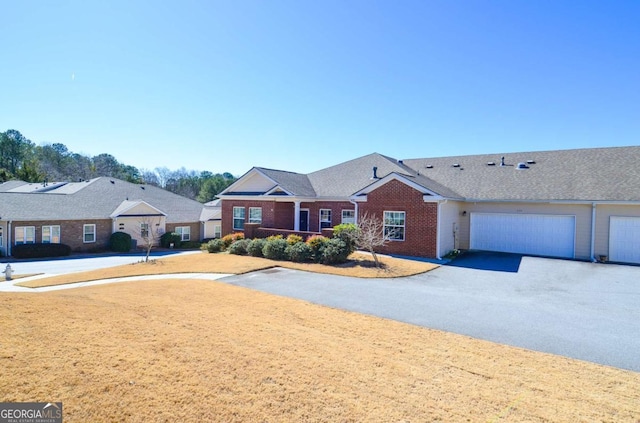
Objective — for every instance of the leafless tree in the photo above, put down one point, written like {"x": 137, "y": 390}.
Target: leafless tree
{"x": 149, "y": 235}
{"x": 370, "y": 235}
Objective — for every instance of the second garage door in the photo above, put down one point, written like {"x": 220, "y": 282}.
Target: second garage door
{"x": 535, "y": 234}
{"x": 624, "y": 239}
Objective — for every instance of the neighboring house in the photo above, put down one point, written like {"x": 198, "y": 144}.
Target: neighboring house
{"x": 84, "y": 214}
{"x": 211, "y": 218}
{"x": 579, "y": 204}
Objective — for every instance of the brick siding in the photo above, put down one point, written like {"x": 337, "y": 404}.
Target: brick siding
{"x": 71, "y": 233}
{"x": 421, "y": 219}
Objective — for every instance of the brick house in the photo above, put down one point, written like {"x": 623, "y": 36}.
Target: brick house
{"x": 576, "y": 204}
{"x": 84, "y": 214}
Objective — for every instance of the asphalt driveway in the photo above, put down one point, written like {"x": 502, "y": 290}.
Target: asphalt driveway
{"x": 587, "y": 311}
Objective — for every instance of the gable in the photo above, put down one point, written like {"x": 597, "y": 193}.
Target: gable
{"x": 136, "y": 209}
{"x": 393, "y": 184}
{"x": 253, "y": 182}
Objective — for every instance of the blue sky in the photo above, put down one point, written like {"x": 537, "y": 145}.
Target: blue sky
{"x": 301, "y": 85}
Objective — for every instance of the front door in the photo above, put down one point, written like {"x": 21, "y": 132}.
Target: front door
{"x": 304, "y": 220}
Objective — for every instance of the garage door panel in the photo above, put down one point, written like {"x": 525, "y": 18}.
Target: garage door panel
{"x": 536, "y": 234}
{"x": 624, "y": 239}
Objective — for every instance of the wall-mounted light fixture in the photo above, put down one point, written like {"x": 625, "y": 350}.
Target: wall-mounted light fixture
{"x": 464, "y": 212}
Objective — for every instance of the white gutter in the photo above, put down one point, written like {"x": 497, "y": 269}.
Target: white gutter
{"x": 9, "y": 238}
{"x": 356, "y": 211}
{"x": 593, "y": 232}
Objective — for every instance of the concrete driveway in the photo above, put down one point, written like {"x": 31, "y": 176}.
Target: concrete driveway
{"x": 587, "y": 311}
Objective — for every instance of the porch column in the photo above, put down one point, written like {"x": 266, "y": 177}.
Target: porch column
{"x": 296, "y": 216}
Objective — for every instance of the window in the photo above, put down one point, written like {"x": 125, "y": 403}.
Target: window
{"x": 89, "y": 233}
{"x": 144, "y": 230}
{"x": 255, "y": 214}
{"x": 25, "y": 235}
{"x": 325, "y": 218}
{"x": 348, "y": 216}
{"x": 394, "y": 225}
{"x": 1, "y": 240}
{"x": 238, "y": 218}
{"x": 217, "y": 231}
{"x": 184, "y": 232}
{"x": 51, "y": 234}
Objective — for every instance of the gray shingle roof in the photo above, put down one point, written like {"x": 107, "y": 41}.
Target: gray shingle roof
{"x": 595, "y": 174}
{"x": 96, "y": 199}
{"x": 295, "y": 183}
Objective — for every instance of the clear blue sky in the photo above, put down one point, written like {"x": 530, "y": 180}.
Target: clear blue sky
{"x": 301, "y": 85}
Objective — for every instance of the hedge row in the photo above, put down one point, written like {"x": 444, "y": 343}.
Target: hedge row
{"x": 318, "y": 249}
{"x": 40, "y": 250}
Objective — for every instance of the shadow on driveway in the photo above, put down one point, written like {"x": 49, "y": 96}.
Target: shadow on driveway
{"x": 485, "y": 260}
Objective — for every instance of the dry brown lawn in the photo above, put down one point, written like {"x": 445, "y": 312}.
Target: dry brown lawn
{"x": 195, "y": 351}
{"x": 359, "y": 265}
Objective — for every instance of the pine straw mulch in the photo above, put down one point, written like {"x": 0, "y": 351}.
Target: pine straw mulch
{"x": 193, "y": 351}
{"x": 359, "y": 265}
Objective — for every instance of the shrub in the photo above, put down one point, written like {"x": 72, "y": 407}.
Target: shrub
{"x": 272, "y": 237}
{"x": 316, "y": 243}
{"x": 120, "y": 242}
{"x": 215, "y": 245}
{"x": 40, "y": 250}
{"x": 231, "y": 238}
{"x": 239, "y": 247}
{"x": 348, "y": 233}
{"x": 335, "y": 251}
{"x": 294, "y": 239}
{"x": 275, "y": 249}
{"x": 299, "y": 252}
{"x": 255, "y": 247}
{"x": 191, "y": 245}
{"x": 169, "y": 238}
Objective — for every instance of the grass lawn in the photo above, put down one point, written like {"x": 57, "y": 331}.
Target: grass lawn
{"x": 194, "y": 351}
{"x": 359, "y": 265}
{"x": 172, "y": 350}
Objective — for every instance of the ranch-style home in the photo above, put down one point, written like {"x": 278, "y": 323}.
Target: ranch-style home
{"x": 84, "y": 214}
{"x": 577, "y": 204}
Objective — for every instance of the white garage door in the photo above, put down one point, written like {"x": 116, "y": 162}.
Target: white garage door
{"x": 536, "y": 234}
{"x": 624, "y": 239}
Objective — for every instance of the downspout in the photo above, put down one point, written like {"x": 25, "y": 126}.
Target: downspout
{"x": 593, "y": 232}
{"x": 440, "y": 203}
{"x": 9, "y": 238}
{"x": 355, "y": 204}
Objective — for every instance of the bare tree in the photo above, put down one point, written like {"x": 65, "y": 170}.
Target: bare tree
{"x": 371, "y": 235}
{"x": 149, "y": 234}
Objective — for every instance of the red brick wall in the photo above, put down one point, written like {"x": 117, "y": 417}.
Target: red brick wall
{"x": 71, "y": 233}
{"x": 421, "y": 218}
{"x": 336, "y": 208}
{"x": 268, "y": 213}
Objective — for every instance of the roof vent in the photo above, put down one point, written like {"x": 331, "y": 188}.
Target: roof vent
{"x": 491, "y": 164}
{"x": 429, "y": 166}
{"x": 502, "y": 161}
{"x": 522, "y": 166}
{"x": 531, "y": 162}
{"x": 113, "y": 182}
{"x": 400, "y": 161}
{"x": 375, "y": 173}
{"x": 455, "y": 165}
{"x": 141, "y": 187}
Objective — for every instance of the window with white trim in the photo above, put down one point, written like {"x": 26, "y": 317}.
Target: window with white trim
{"x": 184, "y": 232}
{"x": 217, "y": 231}
{"x": 348, "y": 216}
{"x": 89, "y": 233}
{"x": 1, "y": 239}
{"x": 25, "y": 235}
{"x": 51, "y": 234}
{"x": 394, "y": 225}
{"x": 325, "y": 218}
{"x": 144, "y": 230}
{"x": 238, "y": 218}
{"x": 255, "y": 214}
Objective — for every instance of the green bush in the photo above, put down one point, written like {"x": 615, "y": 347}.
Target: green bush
{"x": 272, "y": 237}
{"x": 316, "y": 243}
{"x": 190, "y": 245}
{"x": 299, "y": 252}
{"x": 215, "y": 245}
{"x": 231, "y": 238}
{"x": 275, "y": 249}
{"x": 239, "y": 247}
{"x": 335, "y": 251}
{"x": 40, "y": 250}
{"x": 169, "y": 238}
{"x": 294, "y": 239}
{"x": 347, "y": 232}
{"x": 255, "y": 247}
{"x": 120, "y": 242}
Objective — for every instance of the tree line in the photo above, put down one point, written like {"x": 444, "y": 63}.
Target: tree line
{"x": 22, "y": 159}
